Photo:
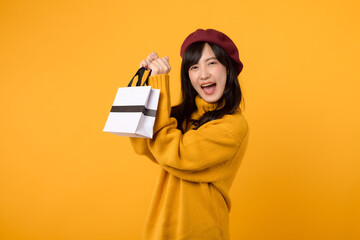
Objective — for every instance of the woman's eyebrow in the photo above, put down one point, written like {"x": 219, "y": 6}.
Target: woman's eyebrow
{"x": 210, "y": 58}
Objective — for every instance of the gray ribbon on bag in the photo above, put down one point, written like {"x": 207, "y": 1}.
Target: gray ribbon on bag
{"x": 137, "y": 108}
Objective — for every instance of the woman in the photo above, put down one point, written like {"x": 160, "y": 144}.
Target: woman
{"x": 198, "y": 144}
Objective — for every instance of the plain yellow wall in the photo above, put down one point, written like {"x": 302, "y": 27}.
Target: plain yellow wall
{"x": 61, "y": 63}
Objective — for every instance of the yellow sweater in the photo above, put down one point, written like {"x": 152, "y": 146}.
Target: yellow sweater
{"x": 191, "y": 199}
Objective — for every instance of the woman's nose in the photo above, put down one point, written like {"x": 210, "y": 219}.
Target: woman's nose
{"x": 204, "y": 73}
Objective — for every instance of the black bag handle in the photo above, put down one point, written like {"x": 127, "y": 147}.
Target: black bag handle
{"x": 140, "y": 74}
{"x": 146, "y": 82}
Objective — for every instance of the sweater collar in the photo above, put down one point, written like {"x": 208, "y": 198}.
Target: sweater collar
{"x": 203, "y": 106}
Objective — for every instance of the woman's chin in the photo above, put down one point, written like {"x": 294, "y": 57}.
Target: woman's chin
{"x": 210, "y": 98}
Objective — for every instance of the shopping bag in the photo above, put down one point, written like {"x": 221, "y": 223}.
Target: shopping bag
{"x": 134, "y": 109}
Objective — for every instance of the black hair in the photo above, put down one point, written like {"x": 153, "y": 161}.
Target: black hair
{"x": 232, "y": 93}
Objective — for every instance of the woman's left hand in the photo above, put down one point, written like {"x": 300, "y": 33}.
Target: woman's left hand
{"x": 156, "y": 64}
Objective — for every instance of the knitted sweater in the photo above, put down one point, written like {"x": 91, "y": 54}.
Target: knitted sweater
{"x": 191, "y": 199}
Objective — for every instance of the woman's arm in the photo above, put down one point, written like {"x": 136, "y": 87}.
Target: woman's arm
{"x": 162, "y": 114}
{"x": 160, "y": 67}
{"x": 197, "y": 155}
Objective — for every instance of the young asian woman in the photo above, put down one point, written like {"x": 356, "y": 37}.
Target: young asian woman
{"x": 198, "y": 144}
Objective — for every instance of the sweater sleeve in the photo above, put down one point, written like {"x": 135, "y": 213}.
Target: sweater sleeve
{"x": 161, "y": 82}
{"x": 197, "y": 155}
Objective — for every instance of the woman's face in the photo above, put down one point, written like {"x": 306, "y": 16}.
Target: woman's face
{"x": 208, "y": 76}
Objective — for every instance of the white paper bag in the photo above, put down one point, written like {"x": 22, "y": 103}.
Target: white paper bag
{"x": 134, "y": 110}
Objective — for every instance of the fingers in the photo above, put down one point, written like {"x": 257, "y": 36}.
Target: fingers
{"x": 153, "y": 55}
{"x": 156, "y": 64}
{"x": 163, "y": 63}
{"x": 160, "y": 66}
{"x": 146, "y": 63}
{"x": 166, "y": 61}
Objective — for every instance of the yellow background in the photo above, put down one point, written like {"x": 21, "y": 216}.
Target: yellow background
{"x": 61, "y": 63}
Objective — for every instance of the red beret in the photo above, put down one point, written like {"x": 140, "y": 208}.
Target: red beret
{"x": 213, "y": 36}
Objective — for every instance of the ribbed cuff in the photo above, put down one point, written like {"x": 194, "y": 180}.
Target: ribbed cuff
{"x": 160, "y": 81}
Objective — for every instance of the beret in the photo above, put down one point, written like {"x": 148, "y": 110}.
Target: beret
{"x": 213, "y": 36}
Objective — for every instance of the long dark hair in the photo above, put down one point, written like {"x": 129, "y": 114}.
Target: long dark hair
{"x": 231, "y": 96}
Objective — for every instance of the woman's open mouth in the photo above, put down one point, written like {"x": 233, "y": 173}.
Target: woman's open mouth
{"x": 209, "y": 88}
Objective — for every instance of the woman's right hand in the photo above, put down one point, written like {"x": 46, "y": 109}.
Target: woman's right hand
{"x": 156, "y": 64}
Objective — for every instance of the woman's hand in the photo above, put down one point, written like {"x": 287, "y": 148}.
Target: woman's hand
{"x": 156, "y": 64}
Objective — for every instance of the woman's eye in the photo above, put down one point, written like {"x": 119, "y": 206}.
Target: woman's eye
{"x": 193, "y": 68}
{"x": 212, "y": 63}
